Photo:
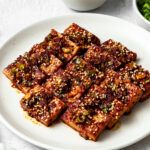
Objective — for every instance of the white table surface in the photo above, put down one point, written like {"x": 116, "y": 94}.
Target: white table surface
{"x": 17, "y": 14}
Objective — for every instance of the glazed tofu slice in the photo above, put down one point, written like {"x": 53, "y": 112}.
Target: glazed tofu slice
{"x": 63, "y": 86}
{"x": 61, "y": 47}
{"x": 23, "y": 75}
{"x": 81, "y": 36}
{"x": 138, "y": 76}
{"x": 52, "y": 35}
{"x": 42, "y": 58}
{"x": 127, "y": 93}
{"x": 84, "y": 72}
{"x": 50, "y": 67}
{"x": 90, "y": 129}
{"x": 41, "y": 105}
{"x": 106, "y": 101}
{"x": 102, "y": 60}
{"x": 122, "y": 53}
{"x": 91, "y": 114}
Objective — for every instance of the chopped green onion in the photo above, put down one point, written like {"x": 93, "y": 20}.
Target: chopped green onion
{"x": 21, "y": 66}
{"x": 144, "y": 8}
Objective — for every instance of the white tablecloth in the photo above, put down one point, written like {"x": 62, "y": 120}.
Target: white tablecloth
{"x": 17, "y": 14}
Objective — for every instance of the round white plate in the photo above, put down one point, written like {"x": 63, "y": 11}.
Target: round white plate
{"x": 59, "y": 136}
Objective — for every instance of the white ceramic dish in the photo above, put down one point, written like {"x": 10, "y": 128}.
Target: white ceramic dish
{"x": 59, "y": 136}
{"x": 84, "y": 5}
{"x": 143, "y": 21}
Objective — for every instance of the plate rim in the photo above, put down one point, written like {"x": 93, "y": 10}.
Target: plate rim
{"x": 40, "y": 144}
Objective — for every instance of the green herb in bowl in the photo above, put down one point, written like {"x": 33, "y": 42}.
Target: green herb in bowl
{"x": 144, "y": 8}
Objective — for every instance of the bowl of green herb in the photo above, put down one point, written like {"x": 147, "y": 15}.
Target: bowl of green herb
{"x": 142, "y": 9}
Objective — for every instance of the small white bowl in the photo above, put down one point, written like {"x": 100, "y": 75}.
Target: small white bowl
{"x": 140, "y": 18}
{"x": 83, "y": 5}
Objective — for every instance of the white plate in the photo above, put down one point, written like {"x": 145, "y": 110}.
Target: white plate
{"x": 59, "y": 136}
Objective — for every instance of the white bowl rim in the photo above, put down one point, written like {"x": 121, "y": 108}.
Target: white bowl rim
{"x": 138, "y": 12}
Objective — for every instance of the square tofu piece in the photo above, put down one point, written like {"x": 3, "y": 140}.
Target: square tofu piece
{"x": 127, "y": 93}
{"x": 50, "y": 67}
{"x": 41, "y": 105}
{"x": 118, "y": 50}
{"x": 81, "y": 36}
{"x": 52, "y": 35}
{"x": 23, "y": 75}
{"x": 101, "y": 60}
{"x": 138, "y": 76}
{"x": 59, "y": 46}
{"x": 90, "y": 115}
{"x": 63, "y": 86}
{"x": 41, "y": 57}
{"x": 84, "y": 72}
{"x": 107, "y": 102}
